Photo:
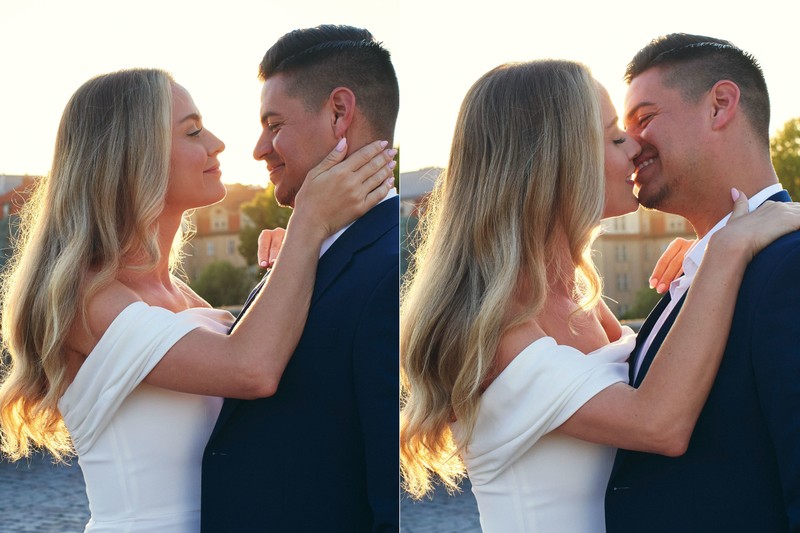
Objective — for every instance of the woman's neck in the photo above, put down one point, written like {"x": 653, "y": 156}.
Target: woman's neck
{"x": 133, "y": 269}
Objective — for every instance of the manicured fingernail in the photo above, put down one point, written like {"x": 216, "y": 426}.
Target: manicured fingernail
{"x": 392, "y": 163}
{"x": 392, "y": 152}
{"x": 653, "y": 282}
{"x": 263, "y": 264}
{"x": 734, "y": 194}
{"x": 661, "y": 289}
{"x": 390, "y": 182}
{"x": 384, "y": 144}
{"x": 341, "y": 145}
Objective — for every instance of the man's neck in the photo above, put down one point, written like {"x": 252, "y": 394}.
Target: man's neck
{"x": 706, "y": 212}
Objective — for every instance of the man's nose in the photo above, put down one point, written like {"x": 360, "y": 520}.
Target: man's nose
{"x": 263, "y": 146}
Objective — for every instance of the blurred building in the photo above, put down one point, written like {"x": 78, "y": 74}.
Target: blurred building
{"x": 625, "y": 253}
{"x": 217, "y": 231}
{"x": 14, "y": 192}
{"x": 414, "y": 189}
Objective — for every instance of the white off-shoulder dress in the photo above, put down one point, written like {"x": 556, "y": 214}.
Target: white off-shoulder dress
{"x": 525, "y": 477}
{"x": 140, "y": 447}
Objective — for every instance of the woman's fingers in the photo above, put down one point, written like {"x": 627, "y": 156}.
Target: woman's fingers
{"x": 335, "y": 194}
{"x": 740, "y": 206}
{"x": 269, "y": 245}
{"x": 334, "y": 157}
{"x": 670, "y": 265}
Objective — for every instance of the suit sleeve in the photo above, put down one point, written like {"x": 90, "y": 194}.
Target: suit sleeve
{"x": 776, "y": 365}
{"x": 377, "y": 384}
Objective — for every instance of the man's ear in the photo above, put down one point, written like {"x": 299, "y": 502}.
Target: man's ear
{"x": 725, "y": 98}
{"x": 343, "y": 103}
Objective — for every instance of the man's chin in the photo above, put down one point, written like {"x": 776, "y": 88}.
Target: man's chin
{"x": 653, "y": 199}
{"x": 285, "y": 200}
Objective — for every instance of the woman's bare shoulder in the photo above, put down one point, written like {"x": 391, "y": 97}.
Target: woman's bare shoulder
{"x": 101, "y": 308}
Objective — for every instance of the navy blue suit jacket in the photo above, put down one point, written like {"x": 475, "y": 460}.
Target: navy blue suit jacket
{"x": 322, "y": 453}
{"x": 741, "y": 471}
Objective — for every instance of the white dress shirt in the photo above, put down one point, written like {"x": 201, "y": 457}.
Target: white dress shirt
{"x": 691, "y": 262}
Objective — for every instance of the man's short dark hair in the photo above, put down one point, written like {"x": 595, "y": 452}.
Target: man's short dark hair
{"x": 317, "y": 60}
{"x": 694, "y": 63}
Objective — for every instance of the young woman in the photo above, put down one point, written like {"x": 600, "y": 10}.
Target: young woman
{"x": 105, "y": 341}
{"x": 512, "y": 366}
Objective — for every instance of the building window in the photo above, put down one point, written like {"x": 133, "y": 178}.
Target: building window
{"x": 231, "y": 247}
{"x": 219, "y": 219}
{"x": 621, "y": 252}
{"x": 210, "y": 248}
{"x": 622, "y": 282}
{"x": 6, "y": 209}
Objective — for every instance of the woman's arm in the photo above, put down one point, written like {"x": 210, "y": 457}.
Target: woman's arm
{"x": 249, "y": 362}
{"x": 660, "y": 415}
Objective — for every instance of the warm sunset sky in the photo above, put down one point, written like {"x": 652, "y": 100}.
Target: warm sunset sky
{"x": 49, "y": 47}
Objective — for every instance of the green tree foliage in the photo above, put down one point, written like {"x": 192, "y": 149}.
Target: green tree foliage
{"x": 220, "y": 283}
{"x": 7, "y": 227}
{"x": 264, "y": 213}
{"x": 785, "y": 150}
{"x": 646, "y": 300}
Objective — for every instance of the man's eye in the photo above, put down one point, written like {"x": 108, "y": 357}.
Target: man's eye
{"x": 274, "y": 127}
{"x": 644, "y": 119}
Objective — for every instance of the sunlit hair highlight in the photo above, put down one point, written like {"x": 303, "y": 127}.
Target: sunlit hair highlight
{"x": 96, "y": 211}
{"x": 524, "y": 180}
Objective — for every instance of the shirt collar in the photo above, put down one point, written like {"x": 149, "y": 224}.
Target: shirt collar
{"x": 693, "y": 258}
{"x": 327, "y": 243}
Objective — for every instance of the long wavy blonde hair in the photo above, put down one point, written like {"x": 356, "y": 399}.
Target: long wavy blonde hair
{"x": 526, "y": 160}
{"x": 96, "y": 210}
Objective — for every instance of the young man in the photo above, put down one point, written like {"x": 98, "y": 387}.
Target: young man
{"x": 700, "y": 110}
{"x": 321, "y": 454}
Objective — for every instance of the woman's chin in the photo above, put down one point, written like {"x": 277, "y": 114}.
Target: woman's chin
{"x": 620, "y": 208}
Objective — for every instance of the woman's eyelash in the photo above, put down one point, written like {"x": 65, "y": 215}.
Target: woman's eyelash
{"x": 196, "y": 132}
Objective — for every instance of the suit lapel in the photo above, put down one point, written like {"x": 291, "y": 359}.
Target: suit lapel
{"x": 364, "y": 231}
{"x": 644, "y": 332}
{"x": 657, "y": 341}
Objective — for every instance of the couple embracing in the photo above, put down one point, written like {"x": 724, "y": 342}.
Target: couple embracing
{"x": 117, "y": 360}
{"x": 513, "y": 368}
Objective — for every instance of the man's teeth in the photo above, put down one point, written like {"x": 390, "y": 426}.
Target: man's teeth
{"x": 644, "y": 164}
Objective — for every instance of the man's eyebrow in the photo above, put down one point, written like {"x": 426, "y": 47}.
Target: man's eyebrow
{"x": 266, "y": 116}
{"x": 633, "y": 111}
